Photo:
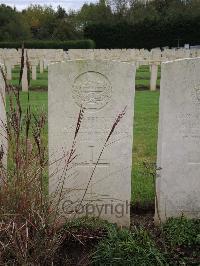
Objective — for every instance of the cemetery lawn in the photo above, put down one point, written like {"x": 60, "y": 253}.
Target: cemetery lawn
{"x": 145, "y": 147}
{"x": 145, "y": 140}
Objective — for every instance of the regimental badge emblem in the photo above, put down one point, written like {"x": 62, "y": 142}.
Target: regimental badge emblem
{"x": 92, "y": 90}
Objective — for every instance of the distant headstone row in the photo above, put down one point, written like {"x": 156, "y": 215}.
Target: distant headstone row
{"x": 33, "y": 57}
{"x": 141, "y": 56}
{"x": 44, "y": 57}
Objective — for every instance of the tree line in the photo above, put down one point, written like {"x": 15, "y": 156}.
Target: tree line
{"x": 111, "y": 24}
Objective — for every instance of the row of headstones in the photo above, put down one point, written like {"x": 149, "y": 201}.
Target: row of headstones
{"x": 43, "y": 64}
{"x": 10, "y": 65}
{"x": 98, "y": 180}
{"x": 142, "y": 56}
{"x": 33, "y": 54}
{"x": 36, "y": 57}
{"x": 33, "y": 64}
{"x": 145, "y": 56}
{"x": 43, "y": 57}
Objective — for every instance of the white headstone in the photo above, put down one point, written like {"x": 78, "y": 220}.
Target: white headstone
{"x": 104, "y": 88}
{"x": 8, "y": 70}
{"x": 25, "y": 78}
{"x": 34, "y": 72}
{"x": 178, "y": 182}
{"x": 154, "y": 76}
{"x": 3, "y": 133}
{"x": 41, "y": 66}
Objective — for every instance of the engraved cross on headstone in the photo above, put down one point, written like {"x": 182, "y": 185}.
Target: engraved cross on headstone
{"x": 91, "y": 162}
{"x": 194, "y": 159}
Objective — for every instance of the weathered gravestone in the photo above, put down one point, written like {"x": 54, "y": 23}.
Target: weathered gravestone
{"x": 25, "y": 77}
{"x": 8, "y": 70}
{"x": 34, "y": 64}
{"x": 178, "y": 182}
{"x": 154, "y": 76}
{"x": 104, "y": 89}
{"x": 3, "y": 133}
{"x": 41, "y": 65}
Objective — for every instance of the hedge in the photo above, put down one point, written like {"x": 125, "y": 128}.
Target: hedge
{"x": 65, "y": 45}
{"x": 146, "y": 34}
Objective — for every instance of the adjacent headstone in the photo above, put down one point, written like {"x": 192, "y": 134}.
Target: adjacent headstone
{"x": 8, "y": 70}
{"x": 3, "y": 133}
{"x": 41, "y": 66}
{"x": 25, "y": 78}
{"x": 104, "y": 89}
{"x": 187, "y": 46}
{"x": 178, "y": 182}
{"x": 154, "y": 76}
{"x": 34, "y": 72}
{"x": 46, "y": 63}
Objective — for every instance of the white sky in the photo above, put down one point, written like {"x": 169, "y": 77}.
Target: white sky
{"x": 67, "y": 4}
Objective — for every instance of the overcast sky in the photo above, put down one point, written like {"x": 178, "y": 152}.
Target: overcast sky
{"x": 67, "y": 4}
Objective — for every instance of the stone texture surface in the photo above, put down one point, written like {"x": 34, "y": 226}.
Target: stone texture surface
{"x": 104, "y": 88}
{"x": 178, "y": 182}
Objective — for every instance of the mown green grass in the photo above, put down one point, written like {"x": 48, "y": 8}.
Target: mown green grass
{"x": 145, "y": 138}
{"x": 38, "y": 101}
{"x": 145, "y": 146}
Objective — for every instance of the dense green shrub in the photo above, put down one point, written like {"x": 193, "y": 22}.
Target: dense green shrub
{"x": 182, "y": 231}
{"x": 76, "y": 44}
{"x": 123, "y": 247}
{"x": 145, "y": 34}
